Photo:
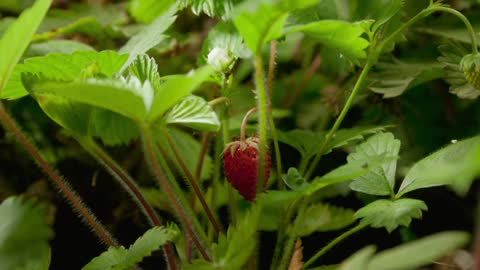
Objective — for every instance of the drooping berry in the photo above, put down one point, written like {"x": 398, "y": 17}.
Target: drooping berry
{"x": 470, "y": 66}
{"x": 240, "y": 162}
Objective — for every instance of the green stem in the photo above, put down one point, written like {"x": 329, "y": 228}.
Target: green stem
{"x": 334, "y": 242}
{"x": 193, "y": 183}
{"x": 281, "y": 233}
{"x": 262, "y": 106}
{"x": 342, "y": 115}
{"x": 278, "y": 157}
{"x": 127, "y": 182}
{"x": 65, "y": 189}
{"x": 232, "y": 205}
{"x": 156, "y": 168}
{"x": 271, "y": 65}
{"x": 218, "y": 100}
{"x": 424, "y": 13}
{"x": 464, "y": 20}
{"x": 202, "y": 155}
{"x": 273, "y": 130}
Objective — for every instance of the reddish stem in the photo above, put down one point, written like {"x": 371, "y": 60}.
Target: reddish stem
{"x": 244, "y": 123}
{"x": 77, "y": 204}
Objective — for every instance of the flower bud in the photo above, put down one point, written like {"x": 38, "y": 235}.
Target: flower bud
{"x": 470, "y": 65}
{"x": 220, "y": 59}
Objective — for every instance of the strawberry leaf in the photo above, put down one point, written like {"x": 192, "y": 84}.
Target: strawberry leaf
{"x": 149, "y": 37}
{"x": 381, "y": 180}
{"x": 16, "y": 39}
{"x": 323, "y": 218}
{"x": 64, "y": 67}
{"x": 174, "y": 88}
{"x": 452, "y": 54}
{"x": 420, "y": 252}
{"x": 24, "y": 234}
{"x": 145, "y": 68}
{"x": 359, "y": 260}
{"x": 394, "y": 78}
{"x": 308, "y": 143}
{"x": 262, "y": 21}
{"x": 146, "y": 11}
{"x": 341, "y": 35}
{"x": 211, "y": 8}
{"x": 119, "y": 258}
{"x": 193, "y": 112}
{"x": 391, "y": 214}
{"x": 349, "y": 171}
{"x": 235, "y": 248}
{"x": 455, "y": 165}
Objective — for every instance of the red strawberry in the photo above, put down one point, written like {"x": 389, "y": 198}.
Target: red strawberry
{"x": 240, "y": 162}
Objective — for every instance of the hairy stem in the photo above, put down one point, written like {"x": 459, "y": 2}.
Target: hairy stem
{"x": 155, "y": 167}
{"x": 273, "y": 130}
{"x": 127, "y": 182}
{"x": 66, "y": 190}
{"x": 202, "y": 155}
{"x": 243, "y": 127}
{"x": 340, "y": 118}
{"x": 271, "y": 65}
{"x": 334, "y": 242}
{"x": 193, "y": 183}
{"x": 262, "y": 106}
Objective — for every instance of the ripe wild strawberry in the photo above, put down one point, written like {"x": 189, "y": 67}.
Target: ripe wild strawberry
{"x": 240, "y": 162}
{"x": 470, "y": 66}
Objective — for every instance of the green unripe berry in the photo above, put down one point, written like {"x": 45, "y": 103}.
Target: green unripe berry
{"x": 470, "y": 65}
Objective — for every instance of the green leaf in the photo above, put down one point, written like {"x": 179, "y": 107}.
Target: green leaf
{"x": 420, "y": 252}
{"x": 15, "y": 6}
{"x": 211, "y": 8}
{"x": 349, "y": 171}
{"x": 323, "y": 218}
{"x": 148, "y": 37}
{"x": 308, "y": 143}
{"x": 390, "y": 214}
{"x": 274, "y": 203}
{"x": 15, "y": 40}
{"x": 145, "y": 68}
{"x": 380, "y": 181}
{"x": 295, "y": 181}
{"x": 56, "y": 46}
{"x": 452, "y": 54}
{"x": 128, "y": 97}
{"x": 455, "y": 164}
{"x": 379, "y": 10}
{"x": 194, "y": 112}
{"x": 146, "y": 11}
{"x": 174, "y": 88}
{"x": 24, "y": 234}
{"x": 262, "y": 21}
{"x": 347, "y": 136}
{"x": 224, "y": 36}
{"x": 341, "y": 35}
{"x": 119, "y": 258}
{"x": 233, "y": 250}
{"x": 359, "y": 260}
{"x": 64, "y": 67}
{"x": 394, "y": 78}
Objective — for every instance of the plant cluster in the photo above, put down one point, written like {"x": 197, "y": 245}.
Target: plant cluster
{"x": 225, "y": 121}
